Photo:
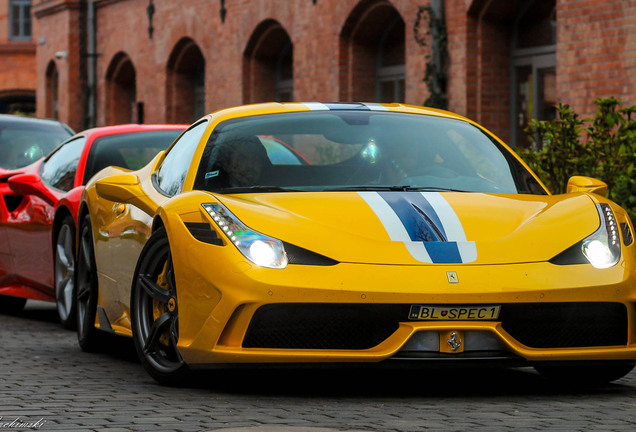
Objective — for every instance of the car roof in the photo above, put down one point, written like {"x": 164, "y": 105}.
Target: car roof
{"x": 290, "y": 107}
{"x": 17, "y": 120}
{"x": 130, "y": 128}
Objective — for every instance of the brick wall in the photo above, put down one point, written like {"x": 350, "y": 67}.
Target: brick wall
{"x": 595, "y": 52}
{"x": 17, "y": 60}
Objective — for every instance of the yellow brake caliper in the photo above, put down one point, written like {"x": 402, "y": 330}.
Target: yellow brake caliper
{"x": 159, "y": 308}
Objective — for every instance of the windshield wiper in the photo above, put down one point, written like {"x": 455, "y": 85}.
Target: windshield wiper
{"x": 254, "y": 189}
{"x": 367, "y": 188}
{"x": 403, "y": 188}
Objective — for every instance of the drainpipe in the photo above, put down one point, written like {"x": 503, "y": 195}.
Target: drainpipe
{"x": 92, "y": 59}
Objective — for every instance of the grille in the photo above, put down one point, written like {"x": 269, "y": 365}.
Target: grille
{"x": 566, "y": 325}
{"x": 358, "y": 327}
{"x": 321, "y": 326}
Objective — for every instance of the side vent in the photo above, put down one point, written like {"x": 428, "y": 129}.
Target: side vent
{"x": 12, "y": 202}
{"x": 628, "y": 237}
{"x": 204, "y": 233}
{"x": 298, "y": 255}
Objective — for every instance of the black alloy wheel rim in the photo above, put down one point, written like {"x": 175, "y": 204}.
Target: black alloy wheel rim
{"x": 156, "y": 313}
{"x": 84, "y": 282}
{"x": 64, "y": 272}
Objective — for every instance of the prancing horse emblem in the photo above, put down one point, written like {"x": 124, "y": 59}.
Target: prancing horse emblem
{"x": 454, "y": 341}
{"x": 452, "y": 277}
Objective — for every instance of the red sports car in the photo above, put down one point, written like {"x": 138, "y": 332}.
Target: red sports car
{"x": 38, "y": 210}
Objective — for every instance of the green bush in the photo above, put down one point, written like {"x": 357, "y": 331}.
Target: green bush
{"x": 603, "y": 147}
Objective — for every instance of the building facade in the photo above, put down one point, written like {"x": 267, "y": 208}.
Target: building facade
{"x": 17, "y": 57}
{"x": 499, "y": 62}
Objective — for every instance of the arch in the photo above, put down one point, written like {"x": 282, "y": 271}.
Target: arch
{"x": 534, "y": 67}
{"x": 510, "y": 55}
{"x": 372, "y": 53}
{"x": 268, "y": 60}
{"x": 52, "y": 102}
{"x": 121, "y": 91}
{"x": 185, "y": 85}
{"x": 16, "y": 101}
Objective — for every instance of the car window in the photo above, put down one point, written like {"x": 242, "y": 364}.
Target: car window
{"x": 58, "y": 170}
{"x": 129, "y": 150}
{"x": 174, "y": 168}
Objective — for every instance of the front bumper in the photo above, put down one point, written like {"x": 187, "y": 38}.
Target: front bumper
{"x": 549, "y": 312}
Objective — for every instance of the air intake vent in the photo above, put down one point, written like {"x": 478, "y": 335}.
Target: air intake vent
{"x": 12, "y": 202}
{"x": 628, "y": 238}
{"x": 301, "y": 256}
{"x": 204, "y": 233}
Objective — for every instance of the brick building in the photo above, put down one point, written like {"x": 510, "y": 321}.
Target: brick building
{"x": 102, "y": 62}
{"x": 17, "y": 57}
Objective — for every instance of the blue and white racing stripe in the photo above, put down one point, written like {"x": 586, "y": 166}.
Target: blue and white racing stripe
{"x": 426, "y": 224}
{"x": 317, "y": 106}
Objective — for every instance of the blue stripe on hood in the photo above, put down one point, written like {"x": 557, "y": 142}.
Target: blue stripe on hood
{"x": 414, "y": 219}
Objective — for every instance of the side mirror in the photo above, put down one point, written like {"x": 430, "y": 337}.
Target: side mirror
{"x": 586, "y": 184}
{"x": 30, "y": 184}
{"x": 125, "y": 188}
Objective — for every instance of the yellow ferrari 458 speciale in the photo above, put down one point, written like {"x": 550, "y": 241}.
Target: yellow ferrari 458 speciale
{"x": 354, "y": 233}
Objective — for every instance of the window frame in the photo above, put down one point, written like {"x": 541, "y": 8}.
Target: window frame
{"x": 175, "y": 147}
{"x": 45, "y": 180}
{"x": 23, "y": 6}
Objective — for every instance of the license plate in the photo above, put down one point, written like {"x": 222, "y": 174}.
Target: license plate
{"x": 454, "y": 313}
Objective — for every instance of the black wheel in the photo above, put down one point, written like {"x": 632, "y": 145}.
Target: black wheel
{"x": 86, "y": 285}
{"x": 11, "y": 305}
{"x": 65, "y": 273}
{"x": 155, "y": 313}
{"x": 585, "y": 375}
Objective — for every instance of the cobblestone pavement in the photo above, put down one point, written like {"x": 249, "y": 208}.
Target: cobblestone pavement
{"x": 48, "y": 384}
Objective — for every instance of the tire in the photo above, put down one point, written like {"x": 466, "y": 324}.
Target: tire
{"x": 585, "y": 375}
{"x": 88, "y": 336}
{"x": 155, "y": 313}
{"x": 11, "y": 305}
{"x": 64, "y": 273}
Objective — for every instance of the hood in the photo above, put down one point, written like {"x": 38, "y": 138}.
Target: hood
{"x": 410, "y": 228}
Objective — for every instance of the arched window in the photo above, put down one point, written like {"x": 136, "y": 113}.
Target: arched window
{"x": 185, "y": 92}
{"x": 52, "y": 82}
{"x": 390, "y": 61}
{"x": 121, "y": 92}
{"x": 17, "y": 102}
{"x": 534, "y": 67}
{"x": 284, "y": 80}
{"x": 268, "y": 65}
{"x": 372, "y": 52}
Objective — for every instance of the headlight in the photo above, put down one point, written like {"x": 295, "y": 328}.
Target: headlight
{"x": 603, "y": 248}
{"x": 262, "y": 250}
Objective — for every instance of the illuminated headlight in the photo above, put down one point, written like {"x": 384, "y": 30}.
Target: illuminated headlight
{"x": 603, "y": 248}
{"x": 262, "y": 250}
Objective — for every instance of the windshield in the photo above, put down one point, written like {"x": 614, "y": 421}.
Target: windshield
{"x": 357, "y": 150}
{"x": 23, "y": 143}
{"x": 128, "y": 150}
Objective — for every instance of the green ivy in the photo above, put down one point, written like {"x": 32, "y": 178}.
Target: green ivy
{"x": 603, "y": 147}
{"x": 436, "y": 66}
